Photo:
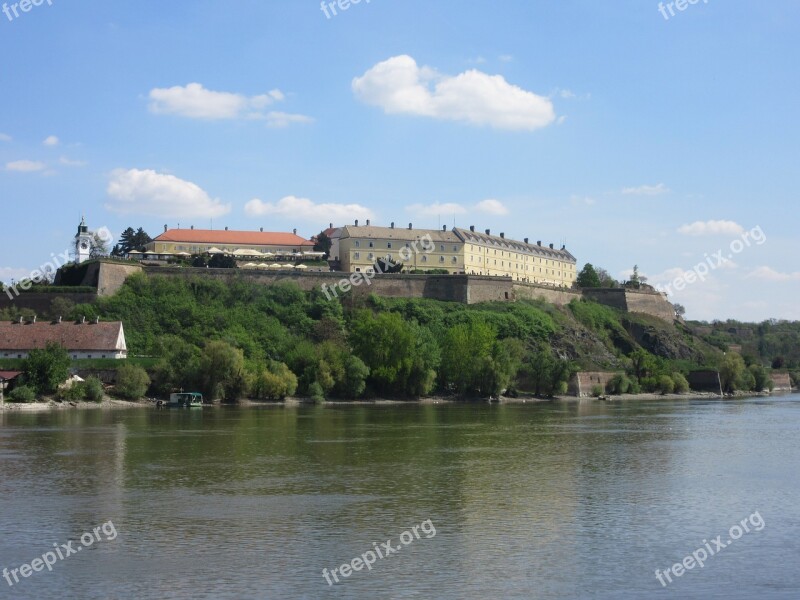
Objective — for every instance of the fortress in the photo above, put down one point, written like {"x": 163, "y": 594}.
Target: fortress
{"x": 107, "y": 277}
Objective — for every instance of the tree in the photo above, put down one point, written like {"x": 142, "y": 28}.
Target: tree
{"x": 642, "y": 363}
{"x": 132, "y": 382}
{"x": 546, "y": 371}
{"x": 588, "y": 277}
{"x": 606, "y": 280}
{"x": 666, "y": 385}
{"x": 681, "y": 383}
{"x": 46, "y": 369}
{"x": 99, "y": 247}
{"x": 323, "y": 244}
{"x": 222, "y": 371}
{"x": 131, "y": 240}
{"x": 386, "y": 343}
{"x": 761, "y": 378}
{"x": 731, "y": 371}
{"x": 680, "y": 310}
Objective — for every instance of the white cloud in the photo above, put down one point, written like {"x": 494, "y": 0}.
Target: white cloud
{"x": 399, "y": 86}
{"x": 9, "y": 273}
{"x": 491, "y": 206}
{"x": 435, "y": 209}
{"x": 282, "y": 119}
{"x": 72, "y": 163}
{"x": 145, "y": 192}
{"x": 51, "y": 141}
{"x": 306, "y": 210}
{"x": 770, "y": 274}
{"x": 4, "y": 137}
{"x": 505, "y": 58}
{"x": 193, "y": 101}
{"x": 646, "y": 190}
{"x": 699, "y": 228}
{"x": 577, "y": 200}
{"x": 25, "y": 166}
{"x": 566, "y": 94}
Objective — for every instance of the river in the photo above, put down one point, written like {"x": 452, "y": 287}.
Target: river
{"x": 540, "y": 500}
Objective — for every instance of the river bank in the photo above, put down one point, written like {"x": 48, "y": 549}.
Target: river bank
{"x": 114, "y": 404}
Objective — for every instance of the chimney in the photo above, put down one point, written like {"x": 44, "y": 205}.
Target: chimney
{"x": 526, "y": 240}
{"x": 563, "y": 246}
{"x": 165, "y": 229}
{"x": 261, "y": 229}
{"x": 294, "y": 231}
{"x": 191, "y": 227}
{"x": 551, "y": 246}
{"x": 392, "y": 226}
{"x": 226, "y": 228}
{"x": 444, "y": 227}
{"x": 411, "y": 226}
{"x": 538, "y": 242}
{"x": 330, "y": 225}
{"x": 488, "y": 232}
{"x": 472, "y": 228}
{"x": 356, "y": 222}
{"x": 502, "y": 235}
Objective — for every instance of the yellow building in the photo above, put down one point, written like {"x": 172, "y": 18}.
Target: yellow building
{"x": 456, "y": 251}
{"x": 486, "y": 254}
{"x": 418, "y": 249}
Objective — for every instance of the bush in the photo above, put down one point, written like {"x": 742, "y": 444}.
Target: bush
{"x": 22, "y": 395}
{"x": 74, "y": 393}
{"x": 132, "y": 382}
{"x": 94, "y": 389}
{"x": 316, "y": 393}
{"x": 665, "y": 384}
{"x": 681, "y": 385}
{"x": 597, "y": 390}
{"x": 618, "y": 385}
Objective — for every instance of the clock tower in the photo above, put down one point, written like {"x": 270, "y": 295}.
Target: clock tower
{"x": 83, "y": 243}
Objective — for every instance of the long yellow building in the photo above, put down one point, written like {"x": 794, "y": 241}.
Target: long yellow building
{"x": 456, "y": 251}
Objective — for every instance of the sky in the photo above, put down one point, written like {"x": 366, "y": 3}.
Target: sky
{"x": 635, "y": 133}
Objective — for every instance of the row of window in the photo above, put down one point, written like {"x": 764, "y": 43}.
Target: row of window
{"x": 423, "y": 258}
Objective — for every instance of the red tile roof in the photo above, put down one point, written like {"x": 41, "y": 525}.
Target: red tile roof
{"x": 242, "y": 238}
{"x": 9, "y": 375}
{"x": 73, "y": 336}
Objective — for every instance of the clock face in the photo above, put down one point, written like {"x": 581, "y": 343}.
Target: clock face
{"x": 84, "y": 246}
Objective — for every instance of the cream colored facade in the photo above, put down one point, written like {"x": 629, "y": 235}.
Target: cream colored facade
{"x": 418, "y": 249}
{"x": 457, "y": 251}
{"x": 486, "y": 254}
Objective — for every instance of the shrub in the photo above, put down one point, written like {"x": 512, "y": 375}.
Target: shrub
{"x": 316, "y": 393}
{"x": 619, "y": 384}
{"x": 681, "y": 384}
{"x": 74, "y": 393}
{"x": 597, "y": 390}
{"x": 22, "y": 394}
{"x": 665, "y": 384}
{"x": 94, "y": 389}
{"x": 132, "y": 382}
{"x": 635, "y": 388}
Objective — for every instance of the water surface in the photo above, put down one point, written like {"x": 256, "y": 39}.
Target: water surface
{"x": 556, "y": 500}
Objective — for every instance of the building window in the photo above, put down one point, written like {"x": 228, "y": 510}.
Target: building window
{"x": 358, "y": 244}
{"x": 357, "y": 255}
{"x": 372, "y": 244}
{"x": 441, "y": 259}
{"x": 424, "y": 259}
{"x": 370, "y": 256}
{"x": 389, "y": 245}
{"x": 454, "y": 260}
{"x": 455, "y": 248}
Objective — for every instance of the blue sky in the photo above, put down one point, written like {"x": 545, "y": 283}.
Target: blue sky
{"x": 631, "y": 137}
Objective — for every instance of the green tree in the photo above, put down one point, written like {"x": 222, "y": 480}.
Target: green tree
{"x": 222, "y": 374}
{"x": 94, "y": 389}
{"x": 681, "y": 383}
{"x": 643, "y": 364}
{"x": 666, "y": 385}
{"x": 761, "y": 378}
{"x": 46, "y": 369}
{"x": 588, "y": 277}
{"x": 22, "y": 394}
{"x": 546, "y": 372}
{"x": 730, "y": 372}
{"x": 354, "y": 382}
{"x": 386, "y": 344}
{"x": 132, "y": 382}
{"x": 323, "y": 244}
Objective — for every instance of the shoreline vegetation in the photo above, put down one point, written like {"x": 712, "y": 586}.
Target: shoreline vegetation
{"x": 243, "y": 340}
{"x": 109, "y": 403}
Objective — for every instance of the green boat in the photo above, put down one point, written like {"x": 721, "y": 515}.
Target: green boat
{"x": 185, "y": 400}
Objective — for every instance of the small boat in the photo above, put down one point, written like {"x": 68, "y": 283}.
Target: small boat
{"x": 185, "y": 400}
